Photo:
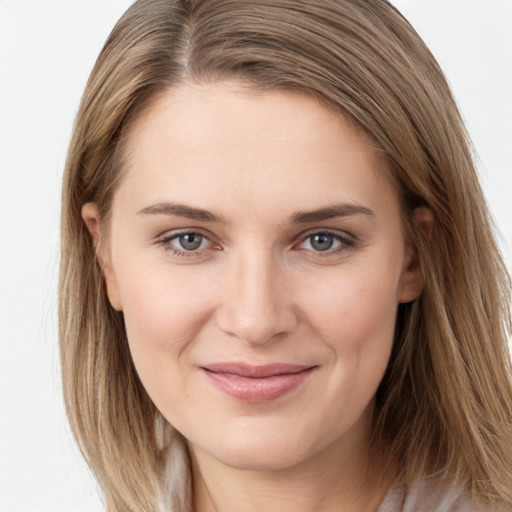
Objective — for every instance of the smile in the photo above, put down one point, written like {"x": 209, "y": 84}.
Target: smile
{"x": 255, "y": 383}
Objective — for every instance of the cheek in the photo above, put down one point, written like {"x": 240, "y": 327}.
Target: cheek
{"x": 355, "y": 306}
{"x": 164, "y": 309}
{"x": 355, "y": 315}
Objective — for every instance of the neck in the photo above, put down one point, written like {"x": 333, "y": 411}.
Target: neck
{"x": 342, "y": 478}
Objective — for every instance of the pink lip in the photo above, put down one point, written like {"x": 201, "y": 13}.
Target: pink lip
{"x": 256, "y": 383}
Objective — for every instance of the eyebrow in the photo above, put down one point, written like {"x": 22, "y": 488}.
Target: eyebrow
{"x": 300, "y": 217}
{"x": 330, "y": 212}
{"x": 182, "y": 210}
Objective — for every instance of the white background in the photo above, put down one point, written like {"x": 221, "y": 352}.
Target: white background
{"x": 47, "y": 49}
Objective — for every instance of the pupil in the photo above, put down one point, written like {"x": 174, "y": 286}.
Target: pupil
{"x": 191, "y": 241}
{"x": 322, "y": 242}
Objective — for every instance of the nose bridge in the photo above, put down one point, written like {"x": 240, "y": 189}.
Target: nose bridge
{"x": 255, "y": 307}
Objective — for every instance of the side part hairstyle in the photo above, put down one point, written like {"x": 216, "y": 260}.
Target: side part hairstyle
{"x": 445, "y": 403}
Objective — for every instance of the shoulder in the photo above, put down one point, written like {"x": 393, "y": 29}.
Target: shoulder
{"x": 428, "y": 495}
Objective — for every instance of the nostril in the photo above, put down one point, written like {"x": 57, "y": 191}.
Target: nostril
{"x": 257, "y": 326}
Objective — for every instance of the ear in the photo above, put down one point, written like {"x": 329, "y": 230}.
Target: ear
{"x": 92, "y": 219}
{"x": 411, "y": 280}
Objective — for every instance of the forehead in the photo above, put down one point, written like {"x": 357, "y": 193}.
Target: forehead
{"x": 221, "y": 144}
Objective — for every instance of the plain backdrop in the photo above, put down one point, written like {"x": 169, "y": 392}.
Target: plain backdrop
{"x": 47, "y": 49}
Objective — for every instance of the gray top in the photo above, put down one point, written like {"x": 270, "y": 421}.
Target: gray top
{"x": 428, "y": 495}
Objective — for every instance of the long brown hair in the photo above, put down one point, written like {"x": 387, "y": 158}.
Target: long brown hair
{"x": 446, "y": 399}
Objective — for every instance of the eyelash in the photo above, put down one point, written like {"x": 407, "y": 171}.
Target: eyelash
{"x": 167, "y": 245}
{"x": 347, "y": 243}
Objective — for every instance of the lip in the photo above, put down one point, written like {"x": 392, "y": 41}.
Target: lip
{"x": 256, "y": 383}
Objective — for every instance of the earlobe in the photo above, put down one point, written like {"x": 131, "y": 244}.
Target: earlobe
{"x": 412, "y": 281}
{"x": 92, "y": 219}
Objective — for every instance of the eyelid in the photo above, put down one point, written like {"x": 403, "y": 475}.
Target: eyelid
{"x": 173, "y": 233}
{"x": 348, "y": 241}
{"x": 328, "y": 231}
{"x": 166, "y": 237}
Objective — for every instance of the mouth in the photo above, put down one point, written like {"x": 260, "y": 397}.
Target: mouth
{"x": 256, "y": 383}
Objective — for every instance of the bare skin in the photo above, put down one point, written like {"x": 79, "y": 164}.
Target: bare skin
{"x": 256, "y": 250}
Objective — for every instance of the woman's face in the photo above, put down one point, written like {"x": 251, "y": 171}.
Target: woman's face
{"x": 257, "y": 253}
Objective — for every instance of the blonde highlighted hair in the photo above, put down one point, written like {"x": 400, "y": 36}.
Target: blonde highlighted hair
{"x": 445, "y": 402}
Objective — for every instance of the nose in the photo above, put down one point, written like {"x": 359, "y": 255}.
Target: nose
{"x": 256, "y": 306}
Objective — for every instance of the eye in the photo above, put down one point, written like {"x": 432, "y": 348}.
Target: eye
{"x": 321, "y": 241}
{"x": 186, "y": 243}
{"x": 326, "y": 242}
{"x": 189, "y": 241}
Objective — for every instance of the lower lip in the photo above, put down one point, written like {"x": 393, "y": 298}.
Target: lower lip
{"x": 260, "y": 389}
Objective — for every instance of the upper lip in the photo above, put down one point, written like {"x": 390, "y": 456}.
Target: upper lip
{"x": 255, "y": 371}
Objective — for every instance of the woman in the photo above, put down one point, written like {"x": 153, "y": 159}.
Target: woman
{"x": 279, "y": 285}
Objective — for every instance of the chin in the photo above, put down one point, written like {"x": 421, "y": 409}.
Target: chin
{"x": 265, "y": 450}
{"x": 262, "y": 458}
